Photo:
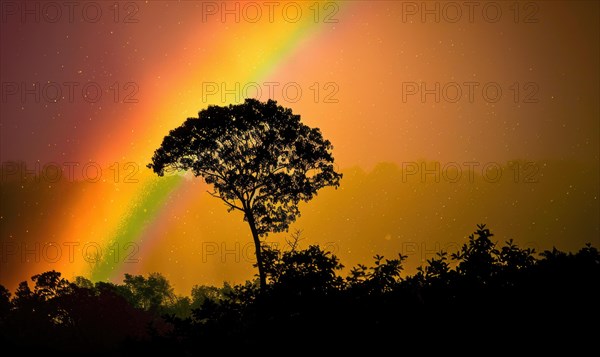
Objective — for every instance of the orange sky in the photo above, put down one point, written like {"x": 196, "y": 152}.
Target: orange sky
{"x": 365, "y": 65}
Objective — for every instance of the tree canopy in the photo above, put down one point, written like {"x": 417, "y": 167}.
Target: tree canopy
{"x": 259, "y": 158}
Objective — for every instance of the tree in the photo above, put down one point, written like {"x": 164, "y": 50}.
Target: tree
{"x": 5, "y": 304}
{"x": 150, "y": 294}
{"x": 479, "y": 258}
{"x": 49, "y": 285}
{"x": 201, "y": 293}
{"x": 259, "y": 158}
{"x": 303, "y": 273}
{"x": 378, "y": 279}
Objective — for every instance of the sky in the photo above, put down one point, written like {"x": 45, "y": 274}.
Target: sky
{"x": 442, "y": 116}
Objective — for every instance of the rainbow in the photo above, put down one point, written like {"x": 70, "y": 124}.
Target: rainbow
{"x": 137, "y": 212}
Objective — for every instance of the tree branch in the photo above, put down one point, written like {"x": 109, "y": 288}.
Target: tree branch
{"x": 231, "y": 205}
{"x": 211, "y": 174}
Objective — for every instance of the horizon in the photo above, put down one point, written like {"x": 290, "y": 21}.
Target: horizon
{"x": 223, "y": 246}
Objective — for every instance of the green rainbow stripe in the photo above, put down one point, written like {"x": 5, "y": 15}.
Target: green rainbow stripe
{"x": 151, "y": 205}
{"x": 142, "y": 213}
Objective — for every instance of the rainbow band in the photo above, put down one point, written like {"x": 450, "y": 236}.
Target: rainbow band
{"x": 140, "y": 206}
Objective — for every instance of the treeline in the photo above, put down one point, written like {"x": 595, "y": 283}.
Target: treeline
{"x": 483, "y": 291}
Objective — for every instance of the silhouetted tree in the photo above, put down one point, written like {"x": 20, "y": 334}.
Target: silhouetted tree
{"x": 512, "y": 258}
{"x": 24, "y": 297}
{"x": 260, "y": 159}
{"x": 307, "y": 272}
{"x": 377, "y": 279}
{"x": 83, "y": 282}
{"x": 437, "y": 268}
{"x": 5, "y": 304}
{"x": 180, "y": 306}
{"x": 202, "y": 293}
{"x": 490, "y": 287}
{"x": 477, "y": 259}
{"x": 150, "y": 293}
{"x": 49, "y": 285}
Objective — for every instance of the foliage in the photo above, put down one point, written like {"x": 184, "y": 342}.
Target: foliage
{"x": 149, "y": 293}
{"x": 484, "y": 287}
{"x": 377, "y": 279}
{"x": 258, "y": 157}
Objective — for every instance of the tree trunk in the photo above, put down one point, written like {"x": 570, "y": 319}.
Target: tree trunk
{"x": 259, "y": 260}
